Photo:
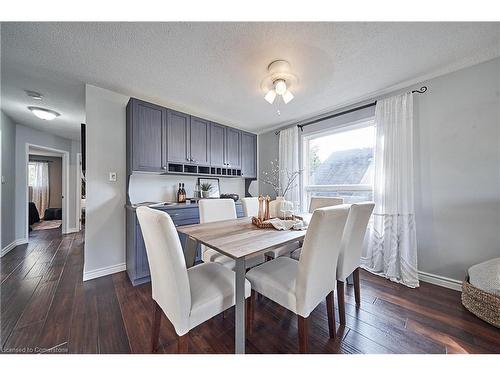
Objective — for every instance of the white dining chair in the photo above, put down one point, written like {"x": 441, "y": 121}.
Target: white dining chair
{"x": 187, "y": 297}
{"x": 318, "y": 202}
{"x": 217, "y": 210}
{"x": 250, "y": 206}
{"x": 350, "y": 252}
{"x": 300, "y": 286}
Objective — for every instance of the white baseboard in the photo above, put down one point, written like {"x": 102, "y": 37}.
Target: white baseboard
{"x": 94, "y": 274}
{"x": 12, "y": 245}
{"x": 445, "y": 282}
{"x": 72, "y": 230}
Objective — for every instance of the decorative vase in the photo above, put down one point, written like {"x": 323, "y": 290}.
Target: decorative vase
{"x": 275, "y": 206}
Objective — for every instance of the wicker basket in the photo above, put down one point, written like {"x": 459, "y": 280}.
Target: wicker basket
{"x": 484, "y": 305}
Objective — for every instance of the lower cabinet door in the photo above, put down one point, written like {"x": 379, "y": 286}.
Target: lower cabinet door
{"x": 141, "y": 258}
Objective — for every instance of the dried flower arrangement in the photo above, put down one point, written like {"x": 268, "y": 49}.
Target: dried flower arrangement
{"x": 273, "y": 178}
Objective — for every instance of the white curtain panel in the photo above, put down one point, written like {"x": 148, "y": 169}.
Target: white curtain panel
{"x": 41, "y": 187}
{"x": 391, "y": 248}
{"x": 289, "y": 161}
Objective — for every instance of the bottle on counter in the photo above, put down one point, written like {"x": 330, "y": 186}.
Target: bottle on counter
{"x": 183, "y": 194}
{"x": 179, "y": 194}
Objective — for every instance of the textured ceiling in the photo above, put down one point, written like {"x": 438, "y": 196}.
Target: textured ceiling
{"x": 214, "y": 70}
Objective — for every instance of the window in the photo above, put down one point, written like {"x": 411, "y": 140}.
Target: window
{"x": 31, "y": 174}
{"x": 340, "y": 163}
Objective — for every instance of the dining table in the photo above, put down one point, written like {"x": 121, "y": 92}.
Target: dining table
{"x": 240, "y": 240}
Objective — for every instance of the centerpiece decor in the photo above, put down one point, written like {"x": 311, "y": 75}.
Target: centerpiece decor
{"x": 281, "y": 188}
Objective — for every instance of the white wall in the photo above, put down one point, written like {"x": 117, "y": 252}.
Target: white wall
{"x": 457, "y": 169}
{"x": 105, "y": 201}
{"x": 8, "y": 135}
{"x": 144, "y": 187}
{"x": 26, "y": 135}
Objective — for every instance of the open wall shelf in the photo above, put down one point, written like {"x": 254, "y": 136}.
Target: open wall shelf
{"x": 188, "y": 169}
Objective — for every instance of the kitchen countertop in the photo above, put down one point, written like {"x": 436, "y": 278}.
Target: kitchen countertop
{"x": 166, "y": 206}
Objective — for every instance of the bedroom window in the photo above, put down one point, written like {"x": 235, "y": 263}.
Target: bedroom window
{"x": 340, "y": 163}
{"x": 31, "y": 174}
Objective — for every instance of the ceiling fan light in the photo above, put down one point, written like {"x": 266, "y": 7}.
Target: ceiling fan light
{"x": 44, "y": 113}
{"x": 287, "y": 96}
{"x": 280, "y": 86}
{"x": 270, "y": 96}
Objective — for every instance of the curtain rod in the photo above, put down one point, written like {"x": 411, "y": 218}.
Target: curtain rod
{"x": 301, "y": 126}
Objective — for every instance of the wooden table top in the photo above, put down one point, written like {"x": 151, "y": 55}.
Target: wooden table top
{"x": 239, "y": 238}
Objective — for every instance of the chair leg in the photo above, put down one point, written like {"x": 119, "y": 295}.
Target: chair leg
{"x": 303, "y": 334}
{"x": 340, "y": 297}
{"x": 182, "y": 344}
{"x": 330, "y": 309}
{"x": 155, "y": 332}
{"x": 250, "y": 302}
{"x": 357, "y": 294}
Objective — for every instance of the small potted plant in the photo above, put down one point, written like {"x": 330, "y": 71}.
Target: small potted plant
{"x": 205, "y": 190}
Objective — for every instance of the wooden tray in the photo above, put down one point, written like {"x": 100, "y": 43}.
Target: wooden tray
{"x": 259, "y": 223}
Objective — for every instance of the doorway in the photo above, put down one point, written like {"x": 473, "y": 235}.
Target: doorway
{"x": 47, "y": 172}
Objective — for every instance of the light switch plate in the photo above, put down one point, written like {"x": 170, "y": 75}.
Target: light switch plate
{"x": 112, "y": 176}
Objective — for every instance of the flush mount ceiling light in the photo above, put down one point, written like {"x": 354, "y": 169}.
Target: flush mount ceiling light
{"x": 278, "y": 82}
{"x": 44, "y": 113}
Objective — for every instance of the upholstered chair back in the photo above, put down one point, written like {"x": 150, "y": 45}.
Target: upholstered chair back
{"x": 352, "y": 239}
{"x": 250, "y": 206}
{"x": 216, "y": 210}
{"x": 169, "y": 277}
{"x": 320, "y": 251}
{"x": 320, "y": 202}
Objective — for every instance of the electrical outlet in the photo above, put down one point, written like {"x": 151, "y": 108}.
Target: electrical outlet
{"x": 112, "y": 176}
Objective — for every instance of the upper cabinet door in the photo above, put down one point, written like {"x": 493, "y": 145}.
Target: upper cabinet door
{"x": 233, "y": 148}
{"x": 178, "y": 137}
{"x": 148, "y": 127}
{"x": 199, "y": 141}
{"x": 217, "y": 145}
{"x": 248, "y": 155}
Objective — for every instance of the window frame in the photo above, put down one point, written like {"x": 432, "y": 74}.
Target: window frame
{"x": 305, "y": 189}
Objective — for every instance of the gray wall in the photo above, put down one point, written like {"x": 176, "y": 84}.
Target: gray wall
{"x": 105, "y": 201}
{"x": 25, "y": 135}
{"x": 8, "y": 134}
{"x": 55, "y": 178}
{"x": 457, "y": 168}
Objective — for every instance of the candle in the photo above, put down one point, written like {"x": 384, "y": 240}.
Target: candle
{"x": 261, "y": 211}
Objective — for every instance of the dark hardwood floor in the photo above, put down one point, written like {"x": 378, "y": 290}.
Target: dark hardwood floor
{"x": 46, "y": 307}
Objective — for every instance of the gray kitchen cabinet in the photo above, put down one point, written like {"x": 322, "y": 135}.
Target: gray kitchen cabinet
{"x": 163, "y": 141}
{"x": 248, "y": 155}
{"x": 146, "y": 133}
{"x": 199, "y": 141}
{"x": 178, "y": 124}
{"x": 233, "y": 148}
{"x": 217, "y": 145}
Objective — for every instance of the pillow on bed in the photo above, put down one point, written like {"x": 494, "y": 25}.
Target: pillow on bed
{"x": 486, "y": 276}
